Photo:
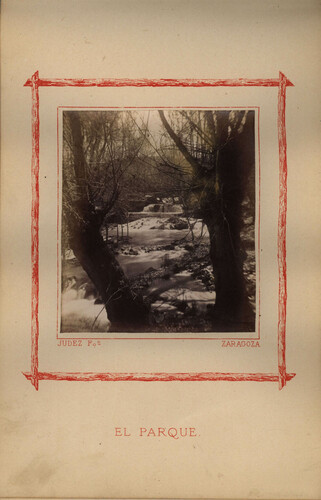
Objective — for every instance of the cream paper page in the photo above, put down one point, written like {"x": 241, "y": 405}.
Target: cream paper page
{"x": 244, "y": 439}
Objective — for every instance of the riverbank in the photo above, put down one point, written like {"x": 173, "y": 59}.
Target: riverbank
{"x": 165, "y": 260}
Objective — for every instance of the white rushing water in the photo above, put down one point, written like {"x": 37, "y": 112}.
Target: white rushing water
{"x": 78, "y": 309}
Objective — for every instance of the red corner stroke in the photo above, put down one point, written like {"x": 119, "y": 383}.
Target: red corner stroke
{"x": 35, "y": 230}
{"x": 283, "y": 173}
{"x": 159, "y": 377}
{"x": 34, "y": 375}
{"x": 165, "y": 82}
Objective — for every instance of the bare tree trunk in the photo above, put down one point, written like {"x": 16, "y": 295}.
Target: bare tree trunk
{"x": 190, "y": 227}
{"x": 232, "y": 308}
{"x": 223, "y": 215}
{"x": 125, "y": 310}
{"x": 222, "y": 191}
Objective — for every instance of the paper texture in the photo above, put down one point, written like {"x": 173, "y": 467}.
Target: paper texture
{"x": 189, "y": 437}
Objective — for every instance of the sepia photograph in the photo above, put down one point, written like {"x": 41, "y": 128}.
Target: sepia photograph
{"x": 158, "y": 220}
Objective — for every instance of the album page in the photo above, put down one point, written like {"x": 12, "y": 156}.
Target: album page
{"x": 159, "y": 249}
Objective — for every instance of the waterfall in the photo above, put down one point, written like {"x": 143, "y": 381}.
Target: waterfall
{"x": 163, "y": 208}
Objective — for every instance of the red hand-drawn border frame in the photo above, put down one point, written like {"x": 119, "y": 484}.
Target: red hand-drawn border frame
{"x": 34, "y": 375}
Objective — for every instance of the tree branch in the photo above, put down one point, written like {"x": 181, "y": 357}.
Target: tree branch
{"x": 191, "y": 160}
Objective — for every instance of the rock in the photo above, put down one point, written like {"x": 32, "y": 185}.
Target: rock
{"x": 179, "y": 225}
{"x": 132, "y": 252}
{"x": 150, "y": 270}
{"x": 176, "y": 268}
{"x": 149, "y": 198}
{"x": 181, "y": 305}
